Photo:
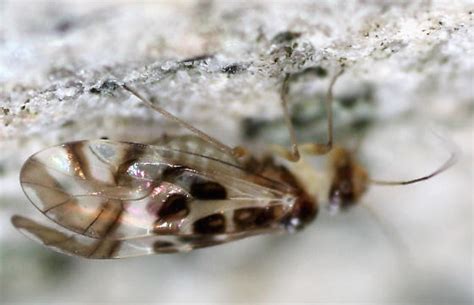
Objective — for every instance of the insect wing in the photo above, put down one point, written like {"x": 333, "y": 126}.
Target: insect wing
{"x": 157, "y": 198}
{"x": 63, "y": 241}
{"x": 88, "y": 186}
{"x": 70, "y": 243}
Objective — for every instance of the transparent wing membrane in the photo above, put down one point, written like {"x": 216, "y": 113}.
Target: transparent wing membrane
{"x": 115, "y": 199}
{"x": 70, "y": 243}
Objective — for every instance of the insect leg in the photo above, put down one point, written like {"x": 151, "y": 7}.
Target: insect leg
{"x": 324, "y": 148}
{"x": 236, "y": 151}
{"x": 310, "y": 148}
{"x": 293, "y": 154}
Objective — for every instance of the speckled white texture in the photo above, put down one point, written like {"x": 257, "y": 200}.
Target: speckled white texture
{"x": 417, "y": 57}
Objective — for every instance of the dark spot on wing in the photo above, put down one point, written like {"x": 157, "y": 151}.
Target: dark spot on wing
{"x": 76, "y": 156}
{"x": 163, "y": 246}
{"x": 175, "y": 207}
{"x": 208, "y": 190}
{"x": 201, "y": 241}
{"x": 246, "y": 218}
{"x": 198, "y": 186}
{"x": 172, "y": 172}
{"x": 212, "y": 224}
{"x": 268, "y": 216}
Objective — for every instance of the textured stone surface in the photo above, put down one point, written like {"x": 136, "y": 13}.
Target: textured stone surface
{"x": 219, "y": 65}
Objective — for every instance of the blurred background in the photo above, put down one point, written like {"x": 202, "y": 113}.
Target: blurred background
{"x": 408, "y": 76}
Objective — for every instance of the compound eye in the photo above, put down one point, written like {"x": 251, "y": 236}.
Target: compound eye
{"x": 341, "y": 195}
{"x": 346, "y": 188}
{"x": 349, "y": 181}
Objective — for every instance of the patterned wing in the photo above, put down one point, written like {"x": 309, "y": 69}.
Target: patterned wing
{"x": 87, "y": 186}
{"x": 106, "y": 191}
{"x": 70, "y": 243}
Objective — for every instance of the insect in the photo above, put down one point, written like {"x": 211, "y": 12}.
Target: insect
{"x": 109, "y": 199}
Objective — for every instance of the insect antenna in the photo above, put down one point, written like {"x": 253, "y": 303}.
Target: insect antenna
{"x": 446, "y": 165}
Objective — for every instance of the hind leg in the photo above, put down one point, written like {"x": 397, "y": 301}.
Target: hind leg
{"x": 293, "y": 154}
